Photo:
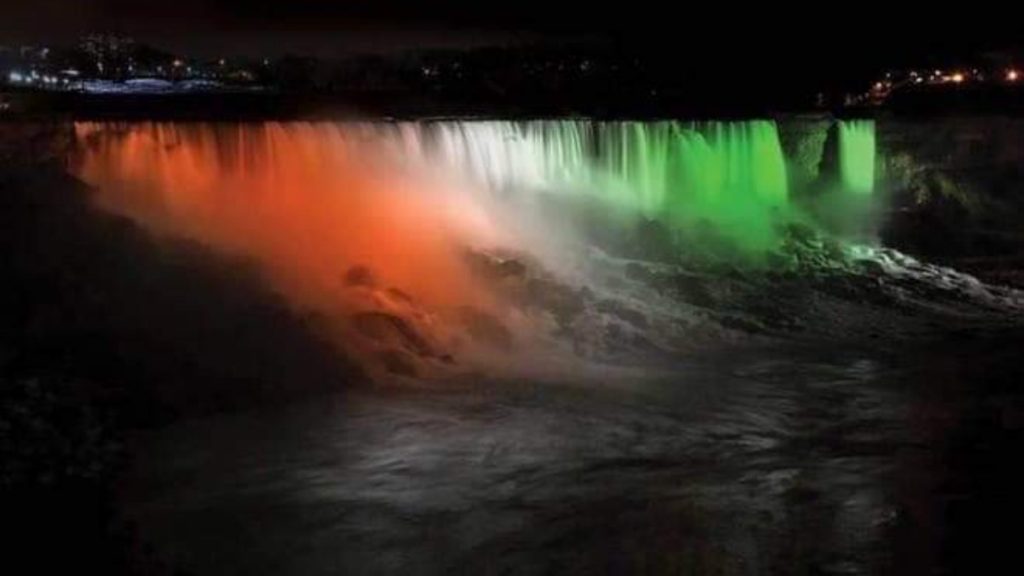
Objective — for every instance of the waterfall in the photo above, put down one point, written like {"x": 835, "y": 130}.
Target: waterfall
{"x": 729, "y": 174}
{"x": 857, "y": 155}
{"x": 651, "y": 166}
{"x": 361, "y": 222}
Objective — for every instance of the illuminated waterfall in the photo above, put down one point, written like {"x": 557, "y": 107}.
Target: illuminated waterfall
{"x": 361, "y": 222}
{"x": 650, "y": 166}
{"x": 729, "y": 174}
{"x": 857, "y": 155}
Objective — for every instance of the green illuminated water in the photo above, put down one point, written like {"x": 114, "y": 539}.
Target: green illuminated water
{"x": 857, "y": 155}
{"x": 729, "y": 174}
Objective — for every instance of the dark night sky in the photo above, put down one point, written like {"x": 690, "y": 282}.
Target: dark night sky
{"x": 724, "y": 32}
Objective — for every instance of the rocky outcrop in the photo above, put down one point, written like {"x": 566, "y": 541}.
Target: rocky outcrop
{"x": 159, "y": 329}
{"x": 29, "y": 142}
{"x": 803, "y": 141}
{"x": 955, "y": 188}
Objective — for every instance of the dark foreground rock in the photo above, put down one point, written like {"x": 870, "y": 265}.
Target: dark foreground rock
{"x": 104, "y": 329}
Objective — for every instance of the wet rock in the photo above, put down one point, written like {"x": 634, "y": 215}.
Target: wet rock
{"x": 639, "y": 272}
{"x": 392, "y": 330}
{"x": 872, "y": 268}
{"x": 693, "y": 289}
{"x": 834, "y": 251}
{"x": 398, "y": 362}
{"x": 622, "y": 312}
{"x": 562, "y": 302}
{"x": 802, "y": 234}
{"x": 772, "y": 315}
{"x": 511, "y": 267}
{"x": 486, "y": 328}
{"x": 400, "y": 295}
{"x": 653, "y": 241}
{"x": 617, "y": 337}
{"x": 360, "y": 276}
{"x": 496, "y": 267}
{"x": 741, "y": 324}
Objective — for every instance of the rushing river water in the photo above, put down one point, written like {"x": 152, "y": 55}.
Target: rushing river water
{"x": 768, "y": 462}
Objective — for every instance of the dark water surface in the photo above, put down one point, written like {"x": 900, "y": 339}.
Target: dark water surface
{"x": 771, "y": 462}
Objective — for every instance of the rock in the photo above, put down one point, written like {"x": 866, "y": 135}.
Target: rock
{"x": 639, "y": 272}
{"x": 495, "y": 267}
{"x": 400, "y": 295}
{"x": 360, "y": 276}
{"x": 392, "y": 330}
{"x": 485, "y": 328}
{"x": 622, "y": 312}
{"x": 398, "y": 362}
{"x": 653, "y": 241}
{"x": 693, "y": 289}
{"x": 562, "y": 302}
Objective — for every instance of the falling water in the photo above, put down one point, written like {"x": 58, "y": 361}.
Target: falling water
{"x": 857, "y": 155}
{"x": 350, "y": 219}
{"x": 731, "y": 174}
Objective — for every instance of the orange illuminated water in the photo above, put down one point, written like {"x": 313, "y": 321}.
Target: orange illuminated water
{"x": 308, "y": 204}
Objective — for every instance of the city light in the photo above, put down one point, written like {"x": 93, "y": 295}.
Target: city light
{"x": 116, "y": 60}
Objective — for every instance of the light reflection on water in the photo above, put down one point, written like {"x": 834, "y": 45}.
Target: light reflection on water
{"x": 774, "y": 465}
